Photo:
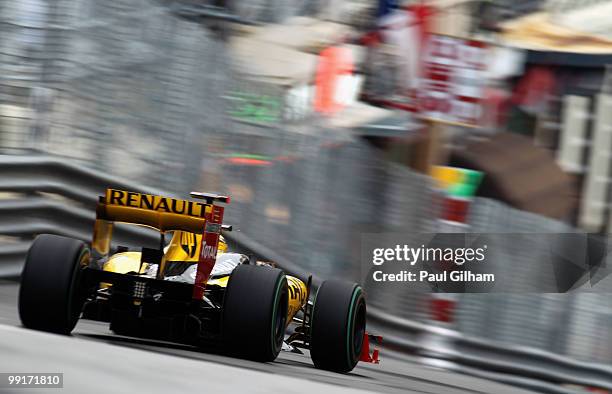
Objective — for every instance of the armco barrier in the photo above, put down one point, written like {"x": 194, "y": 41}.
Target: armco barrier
{"x": 45, "y": 194}
{"x": 536, "y": 365}
{"x": 50, "y": 174}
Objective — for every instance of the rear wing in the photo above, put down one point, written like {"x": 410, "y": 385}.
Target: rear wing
{"x": 164, "y": 214}
{"x": 161, "y": 213}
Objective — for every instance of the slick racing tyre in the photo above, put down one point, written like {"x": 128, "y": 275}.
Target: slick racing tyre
{"x": 50, "y": 296}
{"x": 255, "y": 312}
{"x": 337, "y": 326}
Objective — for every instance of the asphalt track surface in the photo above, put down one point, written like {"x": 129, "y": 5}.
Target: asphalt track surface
{"x": 95, "y": 360}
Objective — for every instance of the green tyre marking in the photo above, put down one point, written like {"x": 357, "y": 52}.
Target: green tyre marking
{"x": 351, "y": 322}
{"x": 276, "y": 295}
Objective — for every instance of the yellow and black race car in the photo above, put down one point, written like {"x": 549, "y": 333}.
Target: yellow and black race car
{"x": 191, "y": 290}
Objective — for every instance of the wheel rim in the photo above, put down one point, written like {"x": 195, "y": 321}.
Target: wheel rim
{"x": 359, "y": 329}
{"x": 279, "y": 316}
{"x": 76, "y": 292}
{"x": 356, "y": 327}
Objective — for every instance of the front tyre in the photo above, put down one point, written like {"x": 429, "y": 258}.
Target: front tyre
{"x": 255, "y": 312}
{"x": 337, "y": 326}
{"x": 50, "y": 295}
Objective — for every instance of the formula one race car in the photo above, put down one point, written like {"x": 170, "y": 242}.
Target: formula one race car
{"x": 190, "y": 291}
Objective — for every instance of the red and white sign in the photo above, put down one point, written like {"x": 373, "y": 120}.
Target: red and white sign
{"x": 208, "y": 250}
{"x": 451, "y": 87}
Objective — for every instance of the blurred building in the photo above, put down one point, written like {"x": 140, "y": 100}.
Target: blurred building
{"x": 567, "y": 44}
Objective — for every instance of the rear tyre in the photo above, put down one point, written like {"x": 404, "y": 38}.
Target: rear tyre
{"x": 337, "y": 326}
{"x": 255, "y": 312}
{"x": 50, "y": 296}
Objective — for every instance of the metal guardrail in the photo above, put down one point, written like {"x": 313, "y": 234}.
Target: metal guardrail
{"x": 42, "y": 173}
{"x": 532, "y": 365}
{"x": 45, "y": 194}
